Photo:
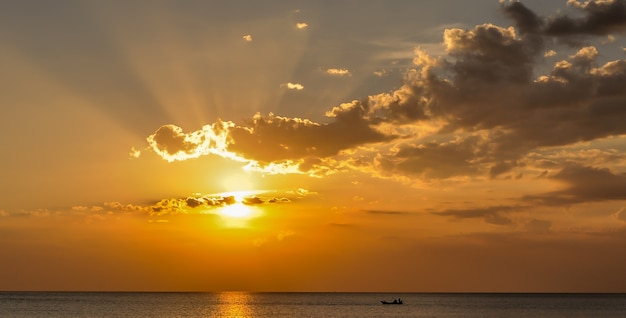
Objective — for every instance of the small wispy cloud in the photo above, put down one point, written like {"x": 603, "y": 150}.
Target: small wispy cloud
{"x": 338, "y": 72}
{"x": 619, "y": 215}
{"x": 609, "y": 39}
{"x": 302, "y": 25}
{"x": 381, "y": 73}
{"x": 134, "y": 153}
{"x": 247, "y": 38}
{"x": 292, "y": 86}
{"x": 549, "y": 53}
{"x": 385, "y": 212}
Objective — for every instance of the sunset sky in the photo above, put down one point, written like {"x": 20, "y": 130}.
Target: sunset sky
{"x": 416, "y": 146}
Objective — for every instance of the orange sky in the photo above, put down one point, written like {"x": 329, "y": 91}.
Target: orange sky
{"x": 313, "y": 146}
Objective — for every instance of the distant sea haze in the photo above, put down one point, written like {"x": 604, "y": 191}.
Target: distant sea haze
{"x": 278, "y": 305}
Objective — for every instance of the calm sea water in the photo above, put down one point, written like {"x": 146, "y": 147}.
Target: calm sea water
{"x": 276, "y": 305}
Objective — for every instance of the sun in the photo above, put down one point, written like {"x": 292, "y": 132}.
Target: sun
{"x": 238, "y": 213}
{"x": 236, "y": 210}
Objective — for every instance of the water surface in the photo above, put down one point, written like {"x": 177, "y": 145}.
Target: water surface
{"x": 277, "y": 305}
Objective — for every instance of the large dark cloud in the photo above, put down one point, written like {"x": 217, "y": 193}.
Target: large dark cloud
{"x": 486, "y": 86}
{"x": 486, "y": 103}
{"x": 600, "y": 18}
{"x": 525, "y": 19}
{"x": 275, "y": 138}
{"x": 584, "y": 184}
{"x": 433, "y": 160}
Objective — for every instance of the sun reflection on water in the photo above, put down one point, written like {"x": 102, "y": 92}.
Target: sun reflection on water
{"x": 235, "y": 304}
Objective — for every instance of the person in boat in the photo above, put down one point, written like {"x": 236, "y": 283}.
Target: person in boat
{"x": 399, "y": 300}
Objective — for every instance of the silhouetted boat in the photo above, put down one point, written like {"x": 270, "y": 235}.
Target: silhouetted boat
{"x": 395, "y": 302}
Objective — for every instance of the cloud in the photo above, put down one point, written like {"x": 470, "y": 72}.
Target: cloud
{"x": 253, "y": 200}
{"x": 620, "y": 214}
{"x": 196, "y": 204}
{"x": 302, "y": 25}
{"x": 489, "y": 54}
{"x": 338, "y": 72}
{"x": 193, "y": 202}
{"x": 171, "y": 143}
{"x": 487, "y": 87}
{"x": 483, "y": 108}
{"x": 583, "y": 184}
{"x": 609, "y": 39}
{"x": 292, "y": 86}
{"x": 134, "y": 153}
{"x": 279, "y": 200}
{"x": 301, "y": 192}
{"x": 538, "y": 226}
{"x": 549, "y": 53}
{"x": 600, "y": 17}
{"x": 492, "y": 215}
{"x": 274, "y": 138}
{"x": 385, "y": 212}
{"x": 526, "y": 20}
{"x": 115, "y": 206}
{"x": 247, "y": 38}
{"x": 93, "y": 208}
{"x": 381, "y": 73}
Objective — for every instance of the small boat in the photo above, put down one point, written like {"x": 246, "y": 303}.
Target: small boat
{"x": 394, "y": 302}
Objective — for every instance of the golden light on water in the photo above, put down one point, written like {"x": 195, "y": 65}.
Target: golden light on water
{"x": 235, "y": 304}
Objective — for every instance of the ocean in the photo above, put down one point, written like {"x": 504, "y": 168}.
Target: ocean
{"x": 292, "y": 305}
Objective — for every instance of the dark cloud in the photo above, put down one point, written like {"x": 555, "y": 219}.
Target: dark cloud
{"x": 275, "y": 138}
{"x": 168, "y": 207}
{"x": 584, "y": 184}
{"x": 278, "y": 200}
{"x": 118, "y": 206}
{"x": 343, "y": 225}
{"x": 191, "y": 204}
{"x": 404, "y": 105}
{"x": 433, "y": 160}
{"x": 385, "y": 212}
{"x": 493, "y": 214}
{"x": 489, "y": 54}
{"x": 194, "y": 202}
{"x": 206, "y": 201}
{"x": 489, "y": 106}
{"x": 600, "y": 18}
{"x": 486, "y": 87}
{"x": 525, "y": 19}
{"x": 253, "y": 200}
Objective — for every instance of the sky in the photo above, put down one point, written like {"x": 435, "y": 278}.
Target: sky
{"x": 367, "y": 146}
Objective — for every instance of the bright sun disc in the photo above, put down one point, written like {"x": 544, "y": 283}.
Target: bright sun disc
{"x": 236, "y": 210}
